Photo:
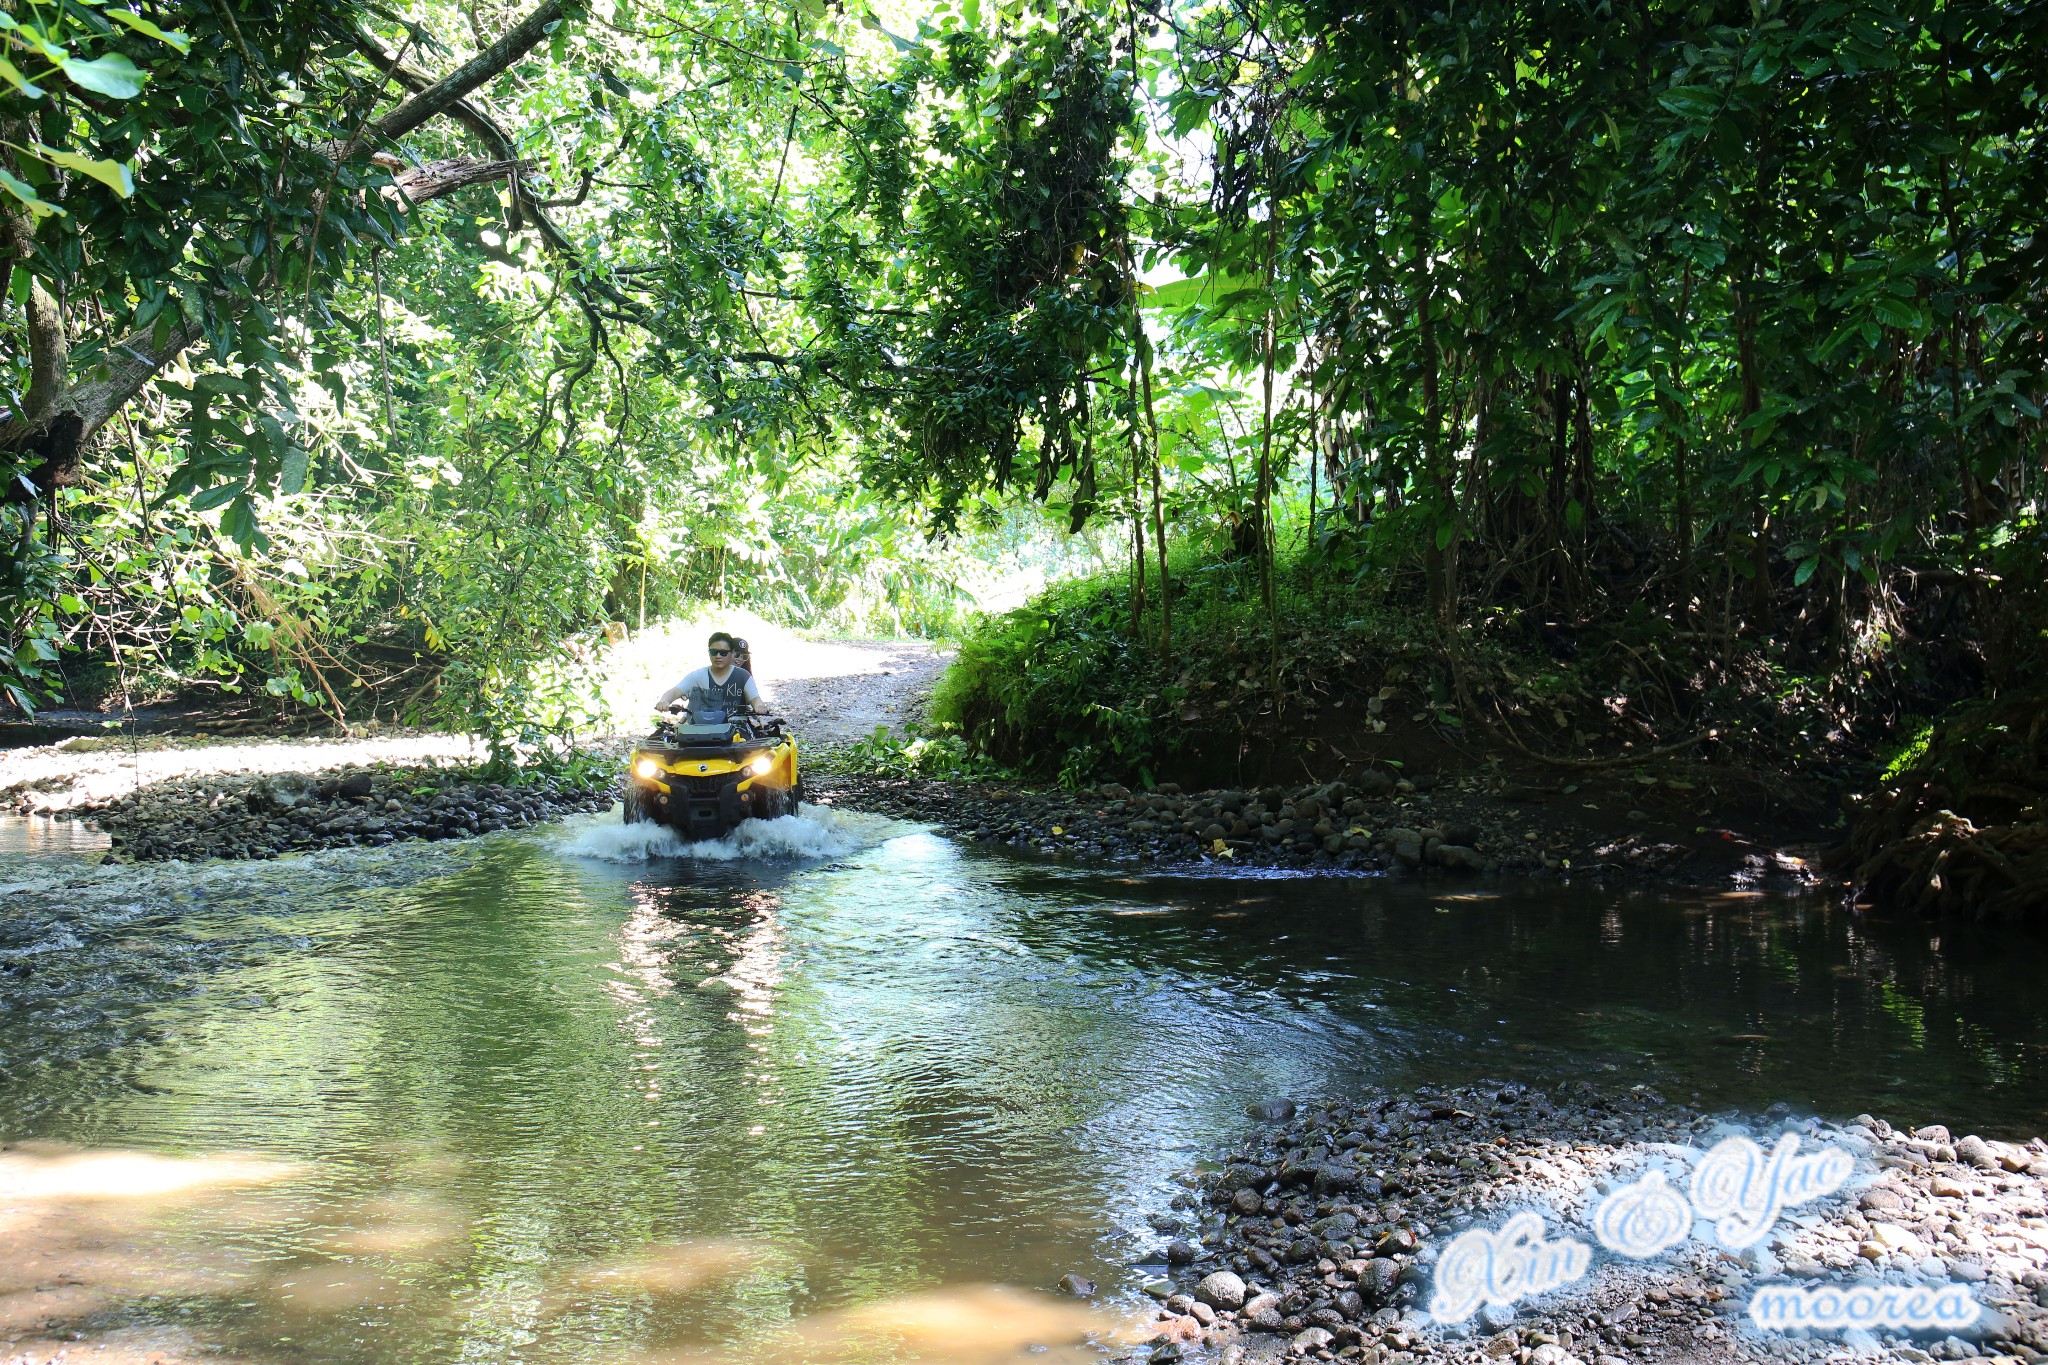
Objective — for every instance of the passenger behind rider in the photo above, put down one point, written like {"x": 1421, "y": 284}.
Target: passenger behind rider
{"x": 716, "y": 692}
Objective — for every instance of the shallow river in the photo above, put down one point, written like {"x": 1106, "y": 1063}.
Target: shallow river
{"x": 510, "y": 1101}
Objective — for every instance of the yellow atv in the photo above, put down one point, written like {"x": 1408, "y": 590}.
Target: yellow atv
{"x": 703, "y": 779}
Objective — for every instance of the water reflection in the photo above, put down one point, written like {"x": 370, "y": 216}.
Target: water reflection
{"x": 48, "y": 836}
{"x": 540, "y": 1108}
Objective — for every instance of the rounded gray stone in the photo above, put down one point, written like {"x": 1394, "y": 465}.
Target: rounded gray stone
{"x": 1221, "y": 1289}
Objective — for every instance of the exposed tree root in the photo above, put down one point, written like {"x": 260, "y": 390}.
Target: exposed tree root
{"x": 1962, "y": 832}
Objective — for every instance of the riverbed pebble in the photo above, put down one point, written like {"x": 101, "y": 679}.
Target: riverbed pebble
{"x": 240, "y": 817}
{"x": 1318, "y": 1235}
{"x": 1366, "y": 823}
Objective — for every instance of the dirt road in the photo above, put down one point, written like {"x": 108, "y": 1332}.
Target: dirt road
{"x": 838, "y": 691}
{"x": 833, "y": 691}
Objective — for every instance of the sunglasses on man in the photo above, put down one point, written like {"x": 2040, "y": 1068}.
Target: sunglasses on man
{"x": 720, "y": 653}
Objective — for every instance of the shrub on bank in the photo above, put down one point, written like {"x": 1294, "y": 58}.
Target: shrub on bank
{"x": 1065, "y": 687}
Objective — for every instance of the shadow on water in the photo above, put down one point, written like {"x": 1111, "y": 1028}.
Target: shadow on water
{"x": 523, "y": 1103}
{"x": 1745, "y": 999}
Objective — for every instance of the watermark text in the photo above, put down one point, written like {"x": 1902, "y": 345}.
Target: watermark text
{"x": 1783, "y": 1307}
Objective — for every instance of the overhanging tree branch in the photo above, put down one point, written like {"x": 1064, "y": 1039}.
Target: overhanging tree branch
{"x": 433, "y": 179}
{"x": 443, "y": 94}
{"x": 56, "y": 420}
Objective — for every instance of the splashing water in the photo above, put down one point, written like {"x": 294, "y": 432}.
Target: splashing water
{"x": 817, "y": 832}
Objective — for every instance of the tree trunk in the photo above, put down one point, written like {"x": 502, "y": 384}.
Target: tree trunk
{"x": 1158, "y": 502}
{"x": 1440, "y": 552}
{"x": 1137, "y": 507}
{"x": 1752, "y": 402}
{"x": 1263, "y": 506}
{"x": 1675, "y": 418}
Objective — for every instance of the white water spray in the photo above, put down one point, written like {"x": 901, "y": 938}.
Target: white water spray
{"x": 818, "y": 832}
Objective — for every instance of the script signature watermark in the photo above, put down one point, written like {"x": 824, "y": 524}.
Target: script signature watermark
{"x": 1744, "y": 1190}
{"x": 1735, "y": 1197}
{"x": 1500, "y": 1267}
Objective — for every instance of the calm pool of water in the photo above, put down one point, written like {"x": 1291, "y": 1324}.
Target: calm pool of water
{"x": 508, "y": 1102}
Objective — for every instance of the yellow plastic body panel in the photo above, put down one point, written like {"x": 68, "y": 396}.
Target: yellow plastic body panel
{"x": 781, "y": 776}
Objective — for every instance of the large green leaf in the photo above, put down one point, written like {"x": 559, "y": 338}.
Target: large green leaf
{"x": 292, "y": 477}
{"x": 112, "y": 174}
{"x": 26, "y": 193}
{"x": 12, "y": 75}
{"x": 1203, "y": 288}
{"x": 239, "y": 522}
{"x": 1900, "y": 313}
{"x": 112, "y": 75}
{"x": 144, "y": 26}
{"x": 1692, "y": 101}
{"x": 215, "y": 496}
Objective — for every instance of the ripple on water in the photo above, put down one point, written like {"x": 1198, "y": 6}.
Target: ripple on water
{"x": 88, "y": 953}
{"x": 805, "y": 1099}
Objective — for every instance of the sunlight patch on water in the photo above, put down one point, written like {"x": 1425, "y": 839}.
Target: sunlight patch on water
{"x": 657, "y": 1270}
{"x": 820, "y": 832}
{"x": 38, "y": 1171}
{"x": 82, "y": 1230}
{"x": 960, "y": 1324}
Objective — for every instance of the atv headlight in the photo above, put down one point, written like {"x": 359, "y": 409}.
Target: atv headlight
{"x": 648, "y": 769}
{"x": 761, "y": 765}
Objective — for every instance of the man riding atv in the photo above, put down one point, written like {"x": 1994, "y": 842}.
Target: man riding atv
{"x": 716, "y": 692}
{"x": 704, "y": 773}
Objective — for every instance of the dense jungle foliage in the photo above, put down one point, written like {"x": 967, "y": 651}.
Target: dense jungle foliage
{"x": 359, "y": 351}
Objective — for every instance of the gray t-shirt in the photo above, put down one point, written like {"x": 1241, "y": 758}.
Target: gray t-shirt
{"x": 708, "y": 699}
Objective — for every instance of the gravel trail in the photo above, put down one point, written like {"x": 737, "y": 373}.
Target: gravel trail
{"x": 838, "y": 691}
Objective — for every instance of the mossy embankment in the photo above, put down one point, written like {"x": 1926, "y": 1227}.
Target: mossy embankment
{"x": 1625, "y": 723}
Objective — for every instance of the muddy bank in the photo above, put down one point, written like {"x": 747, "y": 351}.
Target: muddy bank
{"x": 1319, "y": 1236}
{"x": 1374, "y": 823}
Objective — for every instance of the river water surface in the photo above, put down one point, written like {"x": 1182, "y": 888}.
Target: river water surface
{"x": 546, "y": 1098}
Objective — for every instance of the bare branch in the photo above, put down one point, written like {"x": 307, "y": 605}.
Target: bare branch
{"x": 437, "y": 178}
{"x": 582, "y": 193}
{"x": 443, "y": 94}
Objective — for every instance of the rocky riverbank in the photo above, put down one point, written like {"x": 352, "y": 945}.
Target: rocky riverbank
{"x": 229, "y": 816}
{"x": 1373, "y": 822}
{"x": 1318, "y": 1237}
